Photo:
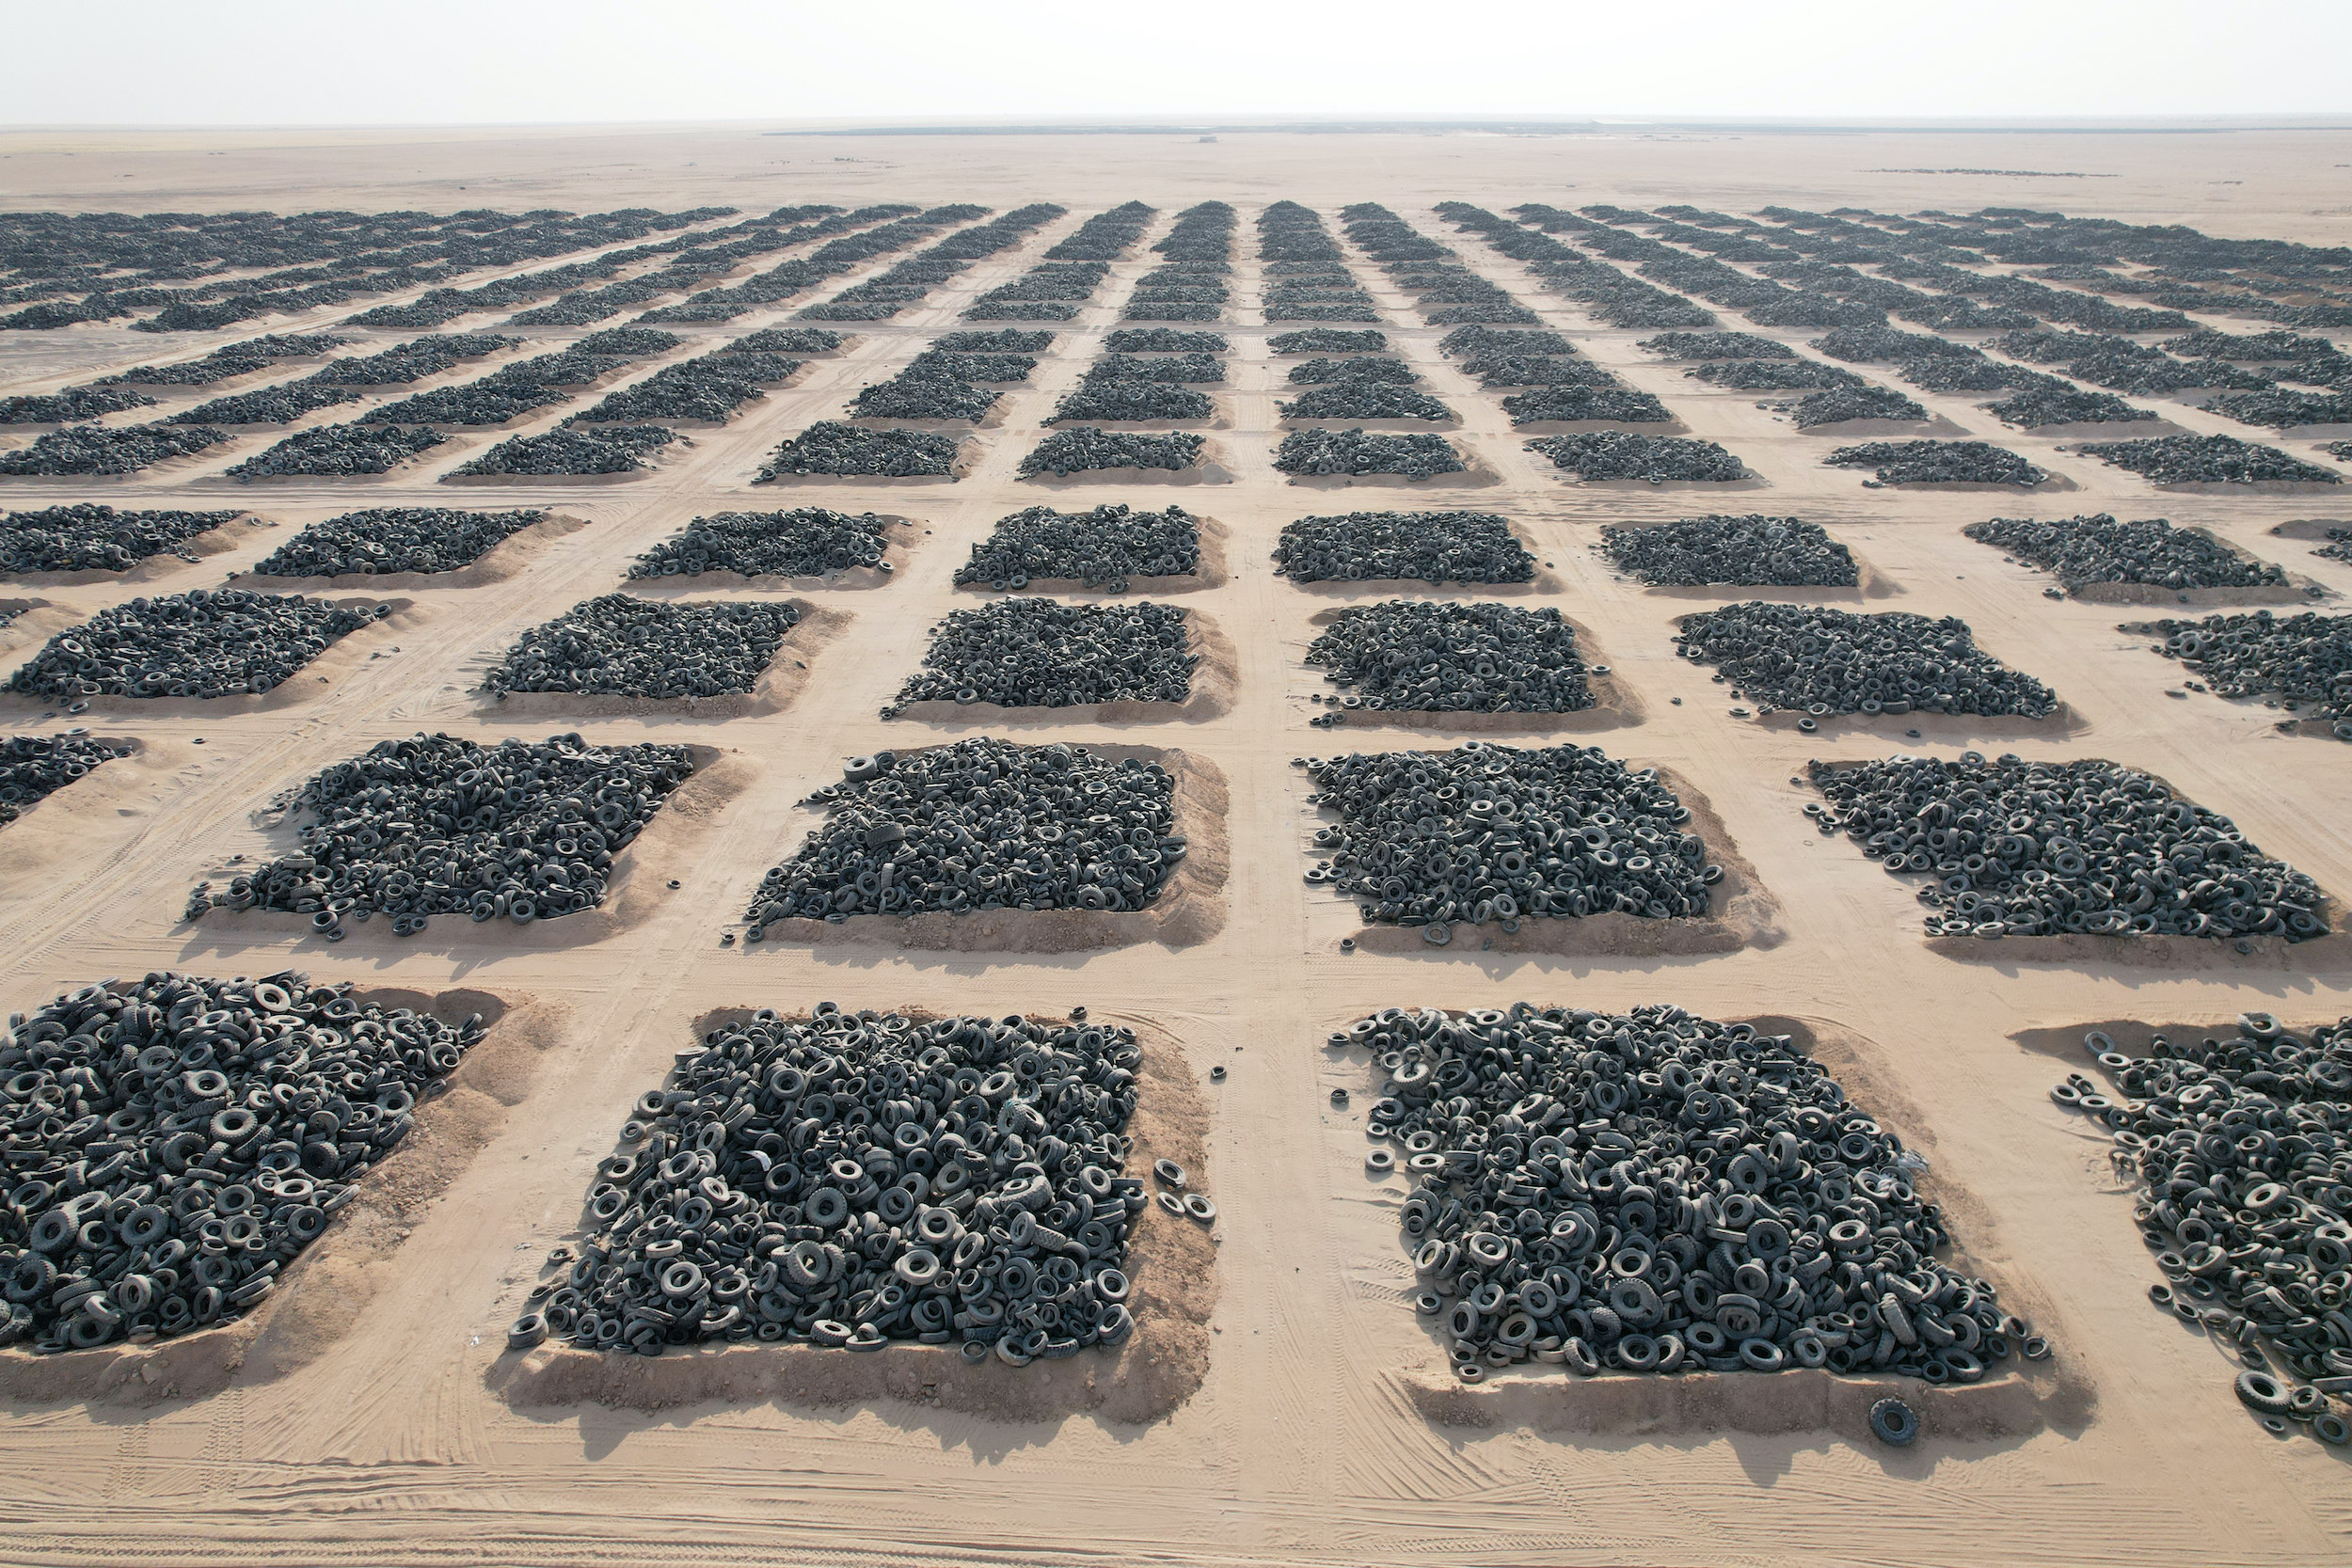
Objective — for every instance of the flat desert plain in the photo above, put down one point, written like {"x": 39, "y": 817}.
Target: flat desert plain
{"x": 1297, "y": 1409}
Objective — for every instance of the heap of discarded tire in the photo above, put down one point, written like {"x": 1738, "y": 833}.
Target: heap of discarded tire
{"x": 338, "y": 450}
{"x": 1101, "y": 548}
{"x": 1039, "y": 653}
{"x": 2236, "y": 1142}
{"x": 942, "y": 389}
{"x": 2208, "y": 460}
{"x": 1716, "y": 345}
{"x": 74, "y": 405}
{"x": 804, "y": 542}
{"x": 1329, "y": 340}
{"x": 87, "y": 537}
{"x": 1605, "y": 454}
{"x": 1840, "y": 405}
{"x": 1488, "y": 832}
{"x": 712, "y": 1226}
{"x": 521, "y": 830}
{"x": 2079, "y": 551}
{"x": 1413, "y": 656}
{"x": 165, "y": 1173}
{"x": 1621, "y": 405}
{"x": 1364, "y": 397}
{"x": 2302, "y": 662}
{"x": 97, "y": 448}
{"x": 1690, "y": 1196}
{"x": 221, "y": 642}
{"x": 618, "y": 645}
{"x": 1822, "y": 661}
{"x": 33, "y": 767}
{"x": 574, "y": 450}
{"x": 1124, "y": 388}
{"x": 1051, "y": 291}
{"x": 707, "y": 389}
{"x": 1365, "y": 366}
{"x": 1084, "y": 448}
{"x": 2037, "y": 406}
{"x": 267, "y": 405}
{"x": 1936, "y": 463}
{"x": 1750, "y": 551}
{"x": 1774, "y": 375}
{"x": 1190, "y": 285}
{"x": 393, "y": 539}
{"x": 983, "y": 824}
{"x": 1315, "y": 453}
{"x": 830, "y": 447}
{"x": 2012, "y": 847}
{"x": 1381, "y": 547}
{"x": 229, "y": 361}
{"x": 1164, "y": 339}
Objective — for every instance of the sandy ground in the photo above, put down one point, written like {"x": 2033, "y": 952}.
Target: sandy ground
{"x": 1322, "y": 1428}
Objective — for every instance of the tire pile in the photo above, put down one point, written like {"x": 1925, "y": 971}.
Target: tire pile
{"x": 818, "y": 339}
{"x": 405, "y": 363}
{"x": 85, "y": 537}
{"x": 93, "y": 448}
{"x": 1361, "y": 452}
{"x": 2236, "y": 1142}
{"x": 1051, "y": 291}
{"x": 1936, "y": 463}
{"x": 912, "y": 280}
{"x": 1166, "y": 340}
{"x": 74, "y": 405}
{"x": 1774, "y": 376}
{"x": 1037, "y": 652}
{"x": 161, "y": 1181}
{"x": 1979, "y": 372}
{"x": 2208, "y": 460}
{"x": 830, "y": 447}
{"x": 2304, "y": 659}
{"x": 713, "y": 1228}
{"x": 521, "y": 830}
{"x": 1085, "y": 449}
{"x": 1716, "y": 345}
{"x": 1328, "y": 340}
{"x": 2082, "y": 550}
{"x": 1381, "y": 547}
{"x": 2037, "y": 406}
{"x": 2285, "y": 410}
{"x": 845, "y": 253}
{"x": 393, "y": 539}
{"x": 617, "y": 645}
{"x": 1125, "y": 388}
{"x": 1368, "y": 367}
{"x": 33, "y": 767}
{"x": 982, "y": 824}
{"x": 2103, "y": 850}
{"x": 339, "y": 450}
{"x": 1364, "y": 397}
{"x": 1497, "y": 372}
{"x": 1098, "y": 548}
{"x": 707, "y": 389}
{"x": 1605, "y": 292}
{"x": 1190, "y": 285}
{"x": 612, "y": 449}
{"x": 1844, "y": 403}
{"x": 1412, "y": 656}
{"x": 230, "y": 361}
{"x": 224, "y": 643}
{"x": 1601, "y": 454}
{"x": 1822, "y": 662}
{"x": 1689, "y": 1196}
{"x": 1487, "y": 833}
{"x": 268, "y": 405}
{"x": 804, "y": 542}
{"x": 1750, "y": 551}
{"x": 936, "y": 389}
{"x": 1620, "y": 404}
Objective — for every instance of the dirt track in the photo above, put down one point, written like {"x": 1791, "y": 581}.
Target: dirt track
{"x": 1315, "y": 1436}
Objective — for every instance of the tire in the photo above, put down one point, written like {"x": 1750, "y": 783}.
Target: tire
{"x": 2262, "y": 1393}
{"x": 1894, "y": 1423}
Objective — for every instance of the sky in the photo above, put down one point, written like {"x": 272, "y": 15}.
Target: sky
{"x": 464, "y": 62}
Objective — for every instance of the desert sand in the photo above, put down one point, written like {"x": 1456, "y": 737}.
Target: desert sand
{"x": 388, "y": 1424}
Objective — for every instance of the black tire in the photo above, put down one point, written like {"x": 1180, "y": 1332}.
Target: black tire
{"x": 1894, "y": 1423}
{"x": 2262, "y": 1393}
